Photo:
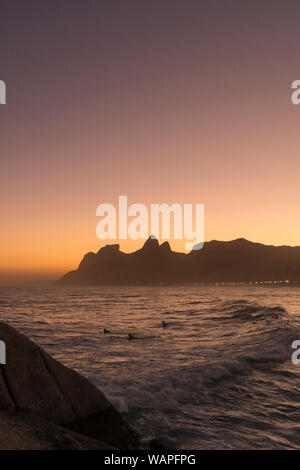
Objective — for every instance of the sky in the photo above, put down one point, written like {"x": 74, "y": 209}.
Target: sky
{"x": 162, "y": 101}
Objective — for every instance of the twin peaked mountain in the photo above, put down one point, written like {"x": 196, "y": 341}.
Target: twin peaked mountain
{"x": 234, "y": 261}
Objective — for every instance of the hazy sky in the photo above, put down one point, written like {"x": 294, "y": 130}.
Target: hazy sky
{"x": 163, "y": 101}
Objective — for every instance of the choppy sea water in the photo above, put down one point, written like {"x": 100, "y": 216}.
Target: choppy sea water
{"x": 218, "y": 376}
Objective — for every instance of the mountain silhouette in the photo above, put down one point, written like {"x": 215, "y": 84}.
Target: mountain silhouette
{"x": 234, "y": 261}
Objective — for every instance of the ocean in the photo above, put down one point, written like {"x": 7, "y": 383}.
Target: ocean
{"x": 218, "y": 375}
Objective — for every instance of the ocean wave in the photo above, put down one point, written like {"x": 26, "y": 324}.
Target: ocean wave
{"x": 246, "y": 310}
{"x": 201, "y": 302}
{"x": 192, "y": 391}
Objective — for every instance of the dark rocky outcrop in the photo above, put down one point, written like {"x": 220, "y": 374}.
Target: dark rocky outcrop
{"x": 34, "y": 383}
{"x": 234, "y": 261}
{"x": 20, "y": 431}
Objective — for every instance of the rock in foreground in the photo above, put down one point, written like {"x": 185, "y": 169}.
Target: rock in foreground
{"x": 34, "y": 383}
{"x": 20, "y": 431}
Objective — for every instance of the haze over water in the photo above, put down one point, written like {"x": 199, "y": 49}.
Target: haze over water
{"x": 219, "y": 375}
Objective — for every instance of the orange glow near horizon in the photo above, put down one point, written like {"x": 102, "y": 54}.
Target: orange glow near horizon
{"x": 49, "y": 225}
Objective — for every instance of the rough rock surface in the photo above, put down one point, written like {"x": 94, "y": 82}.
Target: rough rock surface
{"x": 20, "y": 431}
{"x": 33, "y": 382}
